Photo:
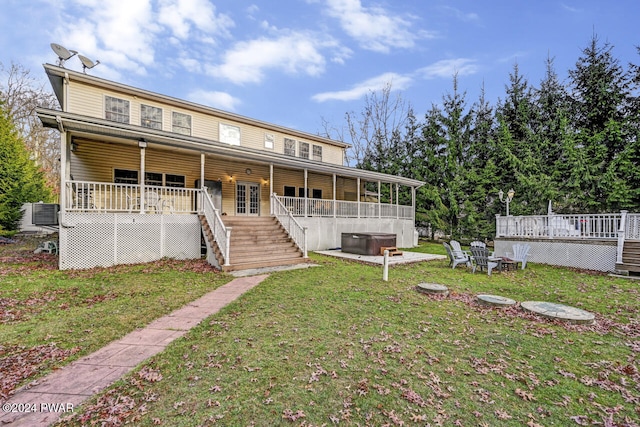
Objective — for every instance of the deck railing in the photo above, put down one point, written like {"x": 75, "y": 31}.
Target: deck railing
{"x": 221, "y": 234}
{"x": 87, "y": 196}
{"x": 297, "y": 232}
{"x": 583, "y": 226}
{"x": 299, "y": 206}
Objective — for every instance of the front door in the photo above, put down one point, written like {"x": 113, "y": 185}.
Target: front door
{"x": 247, "y": 198}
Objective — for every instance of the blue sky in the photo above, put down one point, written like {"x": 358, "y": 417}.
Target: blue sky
{"x": 297, "y": 62}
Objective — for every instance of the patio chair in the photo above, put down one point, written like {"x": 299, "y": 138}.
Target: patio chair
{"x": 456, "y": 258}
{"x": 479, "y": 244}
{"x": 481, "y": 259}
{"x": 152, "y": 201}
{"x": 457, "y": 249}
{"x": 520, "y": 254}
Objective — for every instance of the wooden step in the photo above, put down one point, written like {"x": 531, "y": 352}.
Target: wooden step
{"x": 262, "y": 264}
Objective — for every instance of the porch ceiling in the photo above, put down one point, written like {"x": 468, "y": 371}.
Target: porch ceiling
{"x": 78, "y": 124}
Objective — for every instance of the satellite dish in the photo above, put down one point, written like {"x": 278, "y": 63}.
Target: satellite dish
{"x": 87, "y": 63}
{"x": 62, "y": 52}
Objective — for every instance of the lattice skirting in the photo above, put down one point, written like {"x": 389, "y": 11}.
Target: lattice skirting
{"x": 102, "y": 240}
{"x": 599, "y": 255}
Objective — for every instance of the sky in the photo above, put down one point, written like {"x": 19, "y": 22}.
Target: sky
{"x": 305, "y": 63}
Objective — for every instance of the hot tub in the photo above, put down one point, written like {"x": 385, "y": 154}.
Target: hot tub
{"x": 366, "y": 243}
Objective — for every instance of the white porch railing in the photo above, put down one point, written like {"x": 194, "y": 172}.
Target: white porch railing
{"x": 584, "y": 226}
{"x": 86, "y": 196}
{"x": 297, "y": 232}
{"x": 299, "y": 206}
{"x": 221, "y": 234}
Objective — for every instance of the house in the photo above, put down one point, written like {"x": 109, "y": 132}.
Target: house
{"x": 146, "y": 176}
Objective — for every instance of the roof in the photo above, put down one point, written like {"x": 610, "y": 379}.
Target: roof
{"x": 57, "y": 75}
{"x": 80, "y": 124}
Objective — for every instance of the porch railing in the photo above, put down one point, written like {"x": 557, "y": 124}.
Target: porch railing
{"x": 221, "y": 234}
{"x": 299, "y": 206}
{"x": 297, "y": 232}
{"x": 87, "y": 196}
{"x": 583, "y": 226}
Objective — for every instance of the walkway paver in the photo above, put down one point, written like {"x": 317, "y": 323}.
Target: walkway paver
{"x": 51, "y": 397}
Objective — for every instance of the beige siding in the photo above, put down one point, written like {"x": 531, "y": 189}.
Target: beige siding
{"x": 88, "y": 100}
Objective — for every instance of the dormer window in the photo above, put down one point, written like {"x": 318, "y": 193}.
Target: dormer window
{"x": 289, "y": 147}
{"x": 150, "y": 117}
{"x": 181, "y": 123}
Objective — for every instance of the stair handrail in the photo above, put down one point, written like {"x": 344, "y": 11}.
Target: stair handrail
{"x": 221, "y": 234}
{"x": 296, "y": 231}
{"x": 621, "y": 236}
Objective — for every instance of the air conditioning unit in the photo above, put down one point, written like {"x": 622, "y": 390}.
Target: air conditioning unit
{"x": 45, "y": 213}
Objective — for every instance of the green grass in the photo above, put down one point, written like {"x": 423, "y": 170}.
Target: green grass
{"x": 337, "y": 345}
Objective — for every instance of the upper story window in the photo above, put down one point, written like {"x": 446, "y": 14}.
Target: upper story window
{"x": 181, "y": 123}
{"x": 229, "y": 134}
{"x": 317, "y": 153}
{"x": 268, "y": 140}
{"x": 304, "y": 150}
{"x": 116, "y": 109}
{"x": 289, "y": 147}
{"x": 150, "y": 117}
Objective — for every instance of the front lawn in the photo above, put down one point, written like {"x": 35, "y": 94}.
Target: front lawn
{"x": 337, "y": 345}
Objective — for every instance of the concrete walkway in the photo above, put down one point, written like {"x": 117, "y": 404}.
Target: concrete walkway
{"x": 62, "y": 391}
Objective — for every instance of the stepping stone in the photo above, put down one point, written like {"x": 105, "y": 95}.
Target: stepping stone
{"x": 559, "y": 311}
{"x": 495, "y": 300}
{"x": 432, "y": 288}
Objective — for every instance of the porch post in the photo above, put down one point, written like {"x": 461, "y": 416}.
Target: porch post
{"x": 622, "y": 231}
{"x": 358, "y": 197}
{"x": 201, "y": 200}
{"x": 379, "y": 201}
{"x": 142, "y": 144}
{"x": 306, "y": 186}
{"x": 397, "y": 203}
{"x": 390, "y": 194}
{"x": 271, "y": 187}
{"x": 334, "y": 195}
{"x": 413, "y": 201}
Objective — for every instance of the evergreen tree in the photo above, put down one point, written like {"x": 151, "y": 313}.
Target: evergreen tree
{"x": 20, "y": 180}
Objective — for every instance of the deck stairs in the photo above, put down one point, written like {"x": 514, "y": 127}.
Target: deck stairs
{"x": 630, "y": 257}
{"x": 255, "y": 242}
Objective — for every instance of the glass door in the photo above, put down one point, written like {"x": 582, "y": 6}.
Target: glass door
{"x": 247, "y": 198}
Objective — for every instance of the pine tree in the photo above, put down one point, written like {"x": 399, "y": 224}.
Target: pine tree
{"x": 20, "y": 180}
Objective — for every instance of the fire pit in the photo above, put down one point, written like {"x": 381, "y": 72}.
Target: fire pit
{"x": 367, "y": 243}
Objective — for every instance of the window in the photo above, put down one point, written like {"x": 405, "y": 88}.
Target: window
{"x": 175, "y": 180}
{"x": 153, "y": 178}
{"x": 123, "y": 176}
{"x": 268, "y": 140}
{"x": 317, "y": 193}
{"x": 150, "y": 117}
{"x": 289, "y": 147}
{"x": 289, "y": 191}
{"x": 304, "y": 150}
{"x": 301, "y": 192}
{"x": 116, "y": 109}
{"x": 317, "y": 153}
{"x": 181, "y": 123}
{"x": 229, "y": 134}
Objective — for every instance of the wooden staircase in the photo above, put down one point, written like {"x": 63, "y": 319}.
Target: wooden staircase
{"x": 630, "y": 257}
{"x": 255, "y": 242}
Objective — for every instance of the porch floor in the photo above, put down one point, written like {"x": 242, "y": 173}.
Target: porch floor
{"x": 405, "y": 258}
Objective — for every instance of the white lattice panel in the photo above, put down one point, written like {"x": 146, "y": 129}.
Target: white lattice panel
{"x": 587, "y": 254}
{"x": 93, "y": 240}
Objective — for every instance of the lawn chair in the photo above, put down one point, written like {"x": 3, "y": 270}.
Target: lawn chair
{"x": 520, "y": 254}
{"x": 479, "y": 244}
{"x": 481, "y": 259}
{"x": 457, "y": 249}
{"x": 456, "y": 258}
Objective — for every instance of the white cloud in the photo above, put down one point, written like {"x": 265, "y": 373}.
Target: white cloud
{"x": 397, "y": 82}
{"x": 293, "y": 53}
{"x": 466, "y": 17}
{"x": 182, "y": 16}
{"x": 374, "y": 28}
{"x": 448, "y": 67}
{"x": 215, "y": 99}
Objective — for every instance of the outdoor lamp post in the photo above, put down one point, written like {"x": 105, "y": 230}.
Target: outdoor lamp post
{"x": 508, "y": 199}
